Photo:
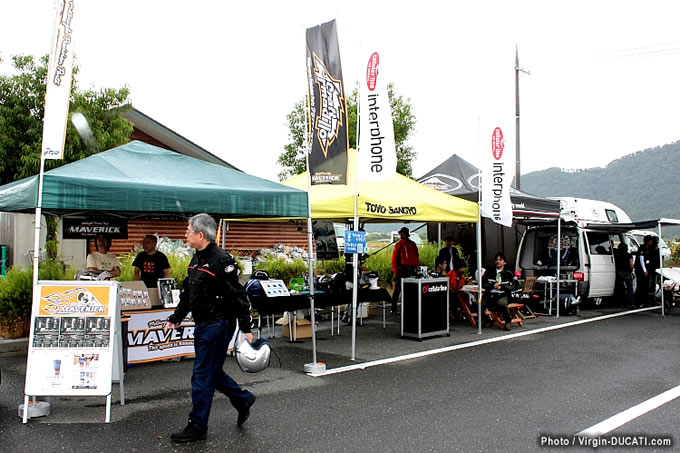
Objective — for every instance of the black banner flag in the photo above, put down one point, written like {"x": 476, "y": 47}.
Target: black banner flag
{"x": 327, "y": 107}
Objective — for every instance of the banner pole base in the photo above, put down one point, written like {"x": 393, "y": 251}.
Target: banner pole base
{"x": 315, "y": 368}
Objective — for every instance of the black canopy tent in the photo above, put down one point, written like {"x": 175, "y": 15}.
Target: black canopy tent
{"x": 458, "y": 177}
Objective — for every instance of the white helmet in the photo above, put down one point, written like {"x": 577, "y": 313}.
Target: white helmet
{"x": 253, "y": 357}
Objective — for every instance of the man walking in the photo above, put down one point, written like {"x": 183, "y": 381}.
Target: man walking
{"x": 214, "y": 296}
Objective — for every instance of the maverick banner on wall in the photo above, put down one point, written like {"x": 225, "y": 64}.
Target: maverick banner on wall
{"x": 327, "y": 108}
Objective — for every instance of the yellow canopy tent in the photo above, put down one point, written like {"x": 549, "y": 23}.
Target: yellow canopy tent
{"x": 398, "y": 199}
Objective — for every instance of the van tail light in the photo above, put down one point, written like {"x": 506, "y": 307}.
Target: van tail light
{"x": 518, "y": 273}
{"x": 578, "y": 276}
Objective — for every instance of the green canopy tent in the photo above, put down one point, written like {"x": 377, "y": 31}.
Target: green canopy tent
{"x": 138, "y": 179}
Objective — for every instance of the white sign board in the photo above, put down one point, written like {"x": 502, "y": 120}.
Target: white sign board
{"x": 70, "y": 349}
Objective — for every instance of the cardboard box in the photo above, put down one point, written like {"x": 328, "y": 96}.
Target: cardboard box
{"x": 136, "y": 296}
{"x": 303, "y": 329}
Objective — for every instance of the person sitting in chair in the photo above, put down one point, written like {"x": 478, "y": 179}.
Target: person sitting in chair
{"x": 498, "y": 287}
{"x": 456, "y": 276}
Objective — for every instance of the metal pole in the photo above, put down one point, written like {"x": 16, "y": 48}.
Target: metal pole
{"x": 479, "y": 237}
{"x": 355, "y": 256}
{"x": 663, "y": 308}
{"x": 38, "y": 215}
{"x": 559, "y": 259}
{"x": 517, "y": 159}
{"x": 310, "y": 238}
{"x": 516, "y": 118}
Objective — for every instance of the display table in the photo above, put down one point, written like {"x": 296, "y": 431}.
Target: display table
{"x": 268, "y": 306}
{"x": 424, "y": 307}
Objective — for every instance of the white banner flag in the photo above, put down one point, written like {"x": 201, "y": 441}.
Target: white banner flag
{"x": 377, "y": 155}
{"x": 59, "y": 73}
{"x": 496, "y": 181}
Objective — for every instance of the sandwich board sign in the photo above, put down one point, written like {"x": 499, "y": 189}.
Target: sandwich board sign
{"x": 75, "y": 344}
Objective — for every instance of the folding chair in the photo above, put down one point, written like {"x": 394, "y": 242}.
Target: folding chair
{"x": 524, "y": 295}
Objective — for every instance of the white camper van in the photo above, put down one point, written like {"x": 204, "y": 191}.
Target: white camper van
{"x": 586, "y": 254}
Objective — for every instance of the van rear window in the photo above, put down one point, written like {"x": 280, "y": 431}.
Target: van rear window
{"x": 545, "y": 249}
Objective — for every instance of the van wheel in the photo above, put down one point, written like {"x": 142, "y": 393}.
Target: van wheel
{"x": 596, "y": 301}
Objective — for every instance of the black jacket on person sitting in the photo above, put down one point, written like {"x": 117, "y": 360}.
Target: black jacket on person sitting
{"x": 212, "y": 291}
{"x": 508, "y": 284}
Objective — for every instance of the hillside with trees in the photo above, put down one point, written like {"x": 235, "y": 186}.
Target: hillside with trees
{"x": 645, "y": 184}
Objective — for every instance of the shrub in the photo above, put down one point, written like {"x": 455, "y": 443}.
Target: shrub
{"x": 16, "y": 290}
{"x": 329, "y": 267}
{"x": 282, "y": 269}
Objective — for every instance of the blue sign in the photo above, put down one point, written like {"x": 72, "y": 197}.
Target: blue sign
{"x": 355, "y": 241}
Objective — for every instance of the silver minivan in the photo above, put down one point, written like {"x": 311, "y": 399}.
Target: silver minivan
{"x": 586, "y": 256}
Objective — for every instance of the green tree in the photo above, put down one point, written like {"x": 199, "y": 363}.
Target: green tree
{"x": 293, "y": 161}
{"x": 22, "y": 106}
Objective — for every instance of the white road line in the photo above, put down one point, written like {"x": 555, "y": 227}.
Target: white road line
{"x": 415, "y": 355}
{"x": 629, "y": 414}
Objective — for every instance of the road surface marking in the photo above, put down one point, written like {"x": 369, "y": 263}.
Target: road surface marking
{"x": 472, "y": 344}
{"x": 629, "y": 414}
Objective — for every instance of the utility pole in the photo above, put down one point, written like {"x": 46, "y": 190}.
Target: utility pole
{"x": 517, "y": 71}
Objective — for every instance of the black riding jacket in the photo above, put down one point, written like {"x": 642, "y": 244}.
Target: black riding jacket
{"x": 212, "y": 291}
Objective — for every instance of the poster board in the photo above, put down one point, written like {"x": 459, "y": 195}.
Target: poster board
{"x": 168, "y": 292}
{"x": 74, "y": 327}
{"x": 148, "y": 340}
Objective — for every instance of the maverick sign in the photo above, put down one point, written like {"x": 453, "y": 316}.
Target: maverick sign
{"x": 88, "y": 228}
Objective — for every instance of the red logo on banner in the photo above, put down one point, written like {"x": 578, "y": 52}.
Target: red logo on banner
{"x": 424, "y": 289}
{"x": 497, "y": 143}
{"x": 372, "y": 71}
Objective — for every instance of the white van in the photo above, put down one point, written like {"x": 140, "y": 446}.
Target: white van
{"x": 586, "y": 255}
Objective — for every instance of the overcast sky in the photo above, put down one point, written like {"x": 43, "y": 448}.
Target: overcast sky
{"x": 604, "y": 76}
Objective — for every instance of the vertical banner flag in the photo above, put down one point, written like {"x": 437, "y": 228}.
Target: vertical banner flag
{"x": 59, "y": 70}
{"x": 377, "y": 154}
{"x": 496, "y": 203}
{"x": 327, "y": 109}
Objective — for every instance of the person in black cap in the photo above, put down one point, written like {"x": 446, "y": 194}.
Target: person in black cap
{"x": 405, "y": 260}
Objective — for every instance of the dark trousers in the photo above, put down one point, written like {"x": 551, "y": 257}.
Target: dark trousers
{"x": 211, "y": 340}
{"x": 625, "y": 280}
{"x": 643, "y": 288}
{"x": 401, "y": 274}
{"x": 499, "y": 304}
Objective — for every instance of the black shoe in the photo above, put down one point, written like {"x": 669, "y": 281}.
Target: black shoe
{"x": 394, "y": 312}
{"x": 506, "y": 326}
{"x": 244, "y": 413}
{"x": 188, "y": 434}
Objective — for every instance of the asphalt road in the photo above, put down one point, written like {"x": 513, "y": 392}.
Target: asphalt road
{"x": 498, "y": 397}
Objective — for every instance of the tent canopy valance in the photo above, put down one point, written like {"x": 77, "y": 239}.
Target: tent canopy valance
{"x": 398, "y": 199}
{"x": 138, "y": 179}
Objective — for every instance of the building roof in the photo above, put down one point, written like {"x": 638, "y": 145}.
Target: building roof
{"x": 169, "y": 139}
